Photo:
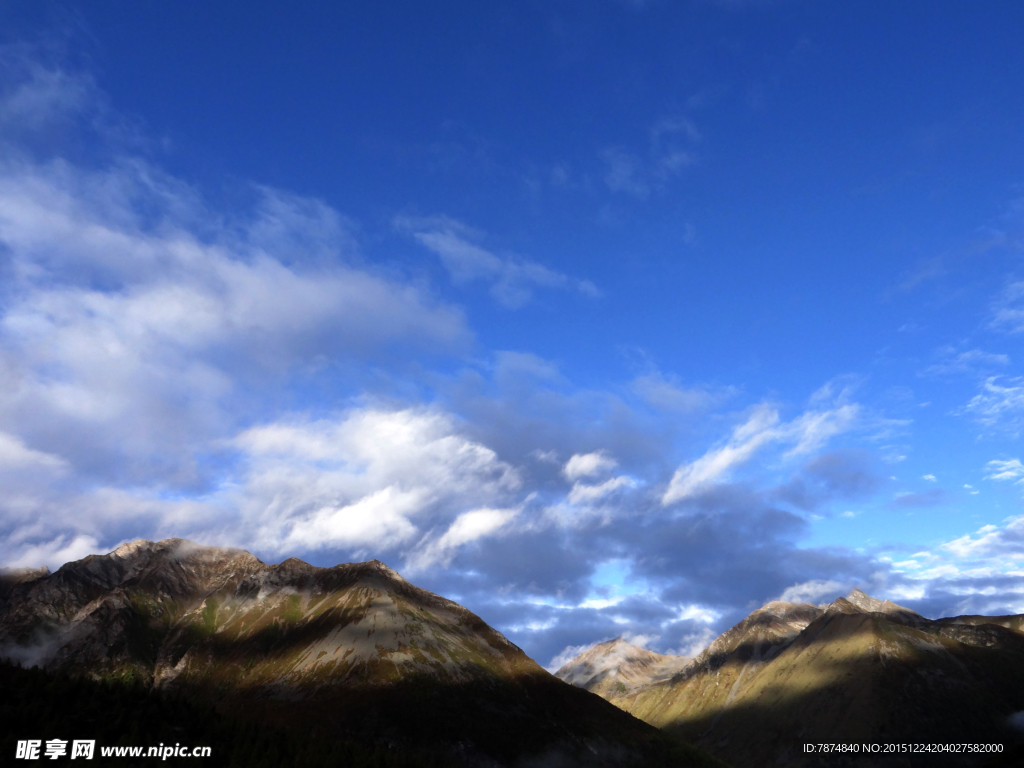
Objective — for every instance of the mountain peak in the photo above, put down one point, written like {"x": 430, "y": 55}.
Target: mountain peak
{"x": 386, "y": 570}
{"x": 617, "y": 667}
{"x": 861, "y": 602}
{"x": 354, "y": 648}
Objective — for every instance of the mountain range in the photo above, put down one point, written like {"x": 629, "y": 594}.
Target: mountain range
{"x": 354, "y": 651}
{"x": 859, "y": 670}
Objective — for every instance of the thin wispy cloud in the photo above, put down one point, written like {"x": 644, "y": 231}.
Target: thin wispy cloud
{"x": 925, "y": 271}
{"x": 972, "y": 361}
{"x": 1009, "y": 469}
{"x": 670, "y": 151}
{"x": 999, "y": 406}
{"x": 669, "y": 394}
{"x": 805, "y": 434}
{"x": 1008, "y": 309}
{"x": 512, "y": 280}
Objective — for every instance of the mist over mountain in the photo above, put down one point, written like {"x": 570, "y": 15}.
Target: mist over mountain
{"x": 352, "y": 652}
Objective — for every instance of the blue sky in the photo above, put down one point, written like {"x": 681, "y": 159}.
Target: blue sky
{"x": 600, "y": 317}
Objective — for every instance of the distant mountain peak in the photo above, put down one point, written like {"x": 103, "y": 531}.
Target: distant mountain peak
{"x": 618, "y": 667}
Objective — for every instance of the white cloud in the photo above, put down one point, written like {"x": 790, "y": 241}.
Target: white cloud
{"x": 467, "y": 527}
{"x": 692, "y": 644}
{"x": 548, "y": 457}
{"x": 140, "y": 328}
{"x": 14, "y": 455}
{"x": 699, "y": 613}
{"x": 996, "y": 544}
{"x": 640, "y": 640}
{"x": 809, "y": 432}
{"x": 1012, "y": 469}
{"x": 929, "y": 478}
{"x": 999, "y": 406}
{"x": 600, "y": 603}
{"x": 512, "y": 279}
{"x": 54, "y": 552}
{"x": 378, "y": 520}
{"x": 566, "y": 655}
{"x": 588, "y": 465}
{"x": 133, "y": 315}
{"x": 811, "y": 591}
{"x": 581, "y": 493}
{"x": 368, "y": 479}
{"x": 814, "y": 428}
{"x": 691, "y": 478}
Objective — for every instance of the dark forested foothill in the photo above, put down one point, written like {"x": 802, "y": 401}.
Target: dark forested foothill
{"x": 42, "y": 705}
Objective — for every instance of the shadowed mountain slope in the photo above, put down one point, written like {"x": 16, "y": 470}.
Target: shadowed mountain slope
{"x": 859, "y": 670}
{"x": 353, "y": 651}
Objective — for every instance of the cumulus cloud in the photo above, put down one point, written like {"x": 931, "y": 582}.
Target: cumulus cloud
{"x": 142, "y": 328}
{"x": 368, "y": 480}
{"x": 588, "y": 465}
{"x": 513, "y": 280}
{"x": 127, "y": 333}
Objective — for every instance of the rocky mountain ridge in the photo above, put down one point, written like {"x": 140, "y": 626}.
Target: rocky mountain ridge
{"x": 353, "y": 650}
{"x": 858, "y": 670}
